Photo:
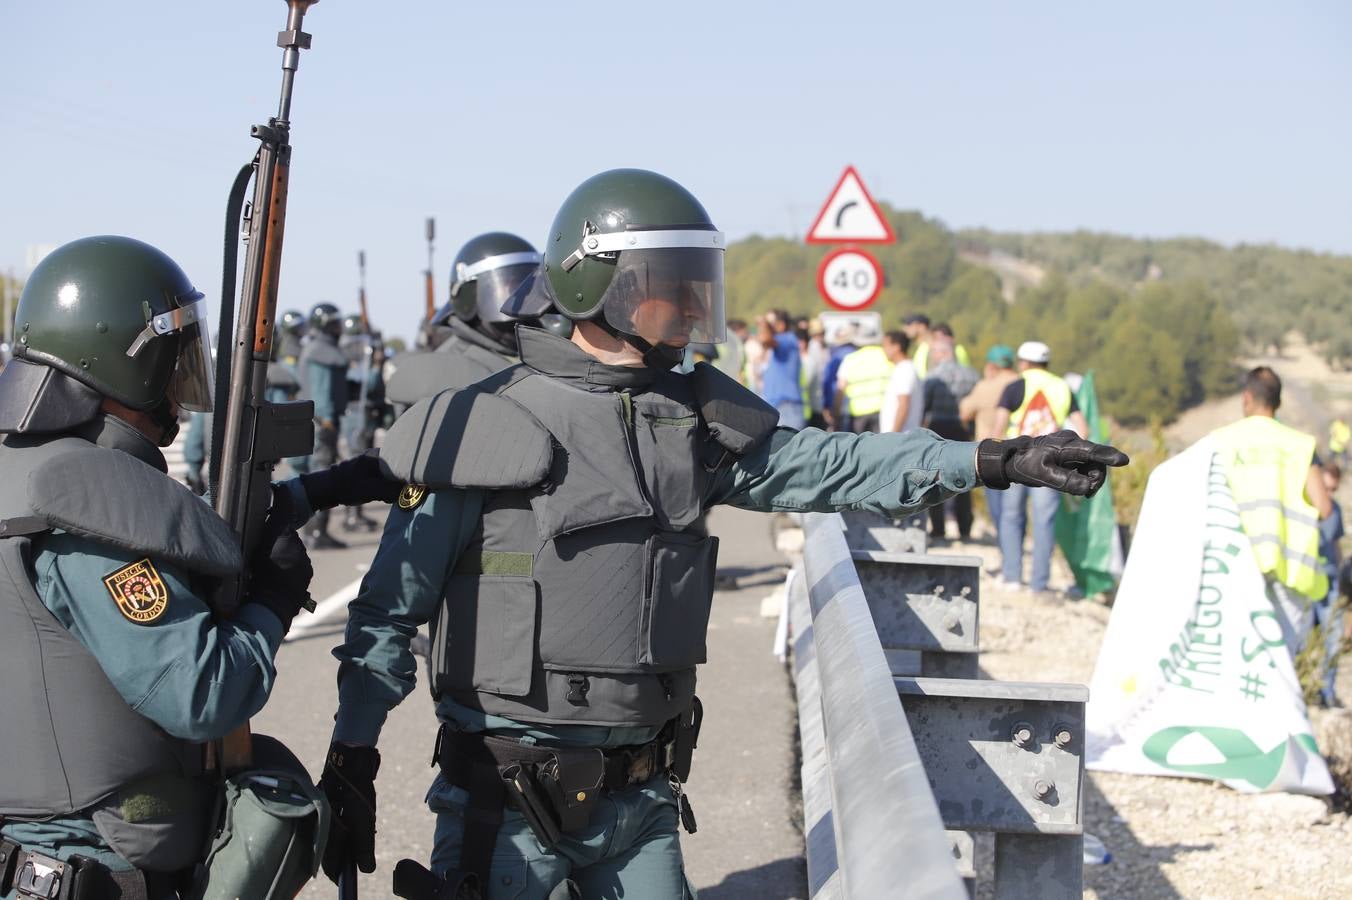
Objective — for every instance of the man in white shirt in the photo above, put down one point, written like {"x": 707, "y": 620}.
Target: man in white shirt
{"x": 903, "y": 401}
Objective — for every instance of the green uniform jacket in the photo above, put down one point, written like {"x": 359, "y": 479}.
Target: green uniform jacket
{"x": 805, "y": 471}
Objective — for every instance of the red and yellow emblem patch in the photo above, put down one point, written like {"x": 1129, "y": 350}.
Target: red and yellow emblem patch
{"x": 139, "y": 591}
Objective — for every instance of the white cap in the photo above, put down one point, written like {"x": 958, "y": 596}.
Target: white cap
{"x": 1035, "y": 352}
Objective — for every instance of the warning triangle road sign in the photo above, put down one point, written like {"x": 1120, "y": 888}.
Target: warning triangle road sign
{"x": 850, "y": 216}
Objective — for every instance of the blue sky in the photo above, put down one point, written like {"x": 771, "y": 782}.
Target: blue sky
{"x": 1232, "y": 121}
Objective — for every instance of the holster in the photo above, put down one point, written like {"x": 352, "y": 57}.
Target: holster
{"x": 413, "y": 881}
{"x": 683, "y": 734}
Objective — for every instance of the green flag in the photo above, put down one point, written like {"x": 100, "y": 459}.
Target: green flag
{"x": 1086, "y": 530}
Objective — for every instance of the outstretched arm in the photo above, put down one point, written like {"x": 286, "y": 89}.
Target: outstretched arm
{"x": 813, "y": 471}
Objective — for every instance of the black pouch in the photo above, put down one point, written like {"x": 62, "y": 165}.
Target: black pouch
{"x": 573, "y": 781}
{"x": 685, "y": 728}
{"x": 525, "y": 795}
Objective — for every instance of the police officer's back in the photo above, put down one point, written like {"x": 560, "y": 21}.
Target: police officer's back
{"x": 477, "y": 336}
{"x": 115, "y": 670}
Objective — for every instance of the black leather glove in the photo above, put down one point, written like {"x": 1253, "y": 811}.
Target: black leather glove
{"x": 281, "y": 576}
{"x": 349, "y": 781}
{"x": 1063, "y": 461}
{"x": 350, "y": 483}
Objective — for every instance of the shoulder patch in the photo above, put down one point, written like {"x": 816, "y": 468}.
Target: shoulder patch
{"x": 116, "y": 499}
{"x": 467, "y": 439}
{"x": 411, "y": 497}
{"x": 139, "y": 592}
{"x": 737, "y": 418}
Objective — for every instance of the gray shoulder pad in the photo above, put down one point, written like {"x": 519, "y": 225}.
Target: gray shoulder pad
{"x": 417, "y": 376}
{"x": 116, "y": 499}
{"x": 280, "y": 375}
{"x": 736, "y": 417}
{"x": 322, "y": 353}
{"x": 468, "y": 439}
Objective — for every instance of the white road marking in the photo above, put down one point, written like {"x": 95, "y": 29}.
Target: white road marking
{"x": 331, "y": 604}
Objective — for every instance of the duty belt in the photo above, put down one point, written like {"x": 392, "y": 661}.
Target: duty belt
{"x": 34, "y": 875}
{"x": 554, "y": 789}
{"x": 620, "y": 767}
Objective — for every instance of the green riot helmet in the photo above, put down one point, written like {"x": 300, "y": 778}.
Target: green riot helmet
{"x": 639, "y": 251}
{"x": 122, "y": 318}
{"x": 486, "y": 271}
{"x": 325, "y": 317}
{"x": 292, "y": 322}
{"x": 356, "y": 340}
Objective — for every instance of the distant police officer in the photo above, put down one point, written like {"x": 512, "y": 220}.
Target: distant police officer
{"x": 479, "y": 337}
{"x": 114, "y": 669}
{"x": 550, "y": 532}
{"x": 290, "y": 337}
{"x": 323, "y": 378}
{"x": 366, "y": 401}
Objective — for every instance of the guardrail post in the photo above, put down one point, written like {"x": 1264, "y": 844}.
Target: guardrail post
{"x": 1004, "y": 757}
{"x": 888, "y": 836}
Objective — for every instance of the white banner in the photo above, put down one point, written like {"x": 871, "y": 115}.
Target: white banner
{"x": 1194, "y": 678}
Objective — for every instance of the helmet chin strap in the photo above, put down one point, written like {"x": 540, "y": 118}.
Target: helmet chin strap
{"x": 655, "y": 356}
{"x": 164, "y": 415}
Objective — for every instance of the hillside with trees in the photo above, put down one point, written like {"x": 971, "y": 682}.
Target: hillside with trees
{"x": 1161, "y": 322}
{"x": 1269, "y": 291}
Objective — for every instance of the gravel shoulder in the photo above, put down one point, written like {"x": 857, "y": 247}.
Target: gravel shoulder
{"x": 1169, "y": 837}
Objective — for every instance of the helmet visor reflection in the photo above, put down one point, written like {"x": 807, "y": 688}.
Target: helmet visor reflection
{"x": 668, "y": 295}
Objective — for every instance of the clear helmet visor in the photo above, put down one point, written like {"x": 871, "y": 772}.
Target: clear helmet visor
{"x": 193, "y": 382}
{"x": 531, "y": 299}
{"x": 668, "y": 295}
{"x": 493, "y": 288}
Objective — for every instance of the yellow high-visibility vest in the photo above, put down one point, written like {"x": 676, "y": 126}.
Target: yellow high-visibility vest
{"x": 1267, "y": 464}
{"x": 920, "y": 358}
{"x": 865, "y": 373}
{"x": 1045, "y": 406}
{"x": 1339, "y": 435}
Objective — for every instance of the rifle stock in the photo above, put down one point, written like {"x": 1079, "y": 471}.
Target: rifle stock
{"x": 431, "y": 296}
{"x": 251, "y": 434}
{"x": 361, "y": 291}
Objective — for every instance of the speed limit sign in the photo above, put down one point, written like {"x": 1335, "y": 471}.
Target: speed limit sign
{"x": 849, "y": 279}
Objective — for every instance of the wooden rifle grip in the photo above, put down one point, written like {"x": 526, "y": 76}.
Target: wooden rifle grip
{"x": 237, "y": 750}
{"x": 272, "y": 257}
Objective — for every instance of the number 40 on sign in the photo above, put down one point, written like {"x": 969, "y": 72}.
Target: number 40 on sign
{"x": 849, "y": 278}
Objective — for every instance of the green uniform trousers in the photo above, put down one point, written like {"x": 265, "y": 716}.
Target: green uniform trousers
{"x": 629, "y": 851}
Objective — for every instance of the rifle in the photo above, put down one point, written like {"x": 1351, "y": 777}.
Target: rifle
{"x": 431, "y": 294}
{"x": 361, "y": 291}
{"x": 250, "y": 435}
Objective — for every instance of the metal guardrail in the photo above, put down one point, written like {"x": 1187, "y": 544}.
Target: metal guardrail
{"x": 887, "y": 770}
{"x": 873, "y": 827}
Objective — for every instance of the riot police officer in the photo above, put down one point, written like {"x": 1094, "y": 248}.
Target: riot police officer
{"x": 366, "y": 400}
{"x": 323, "y": 377}
{"x": 290, "y": 337}
{"x": 115, "y": 669}
{"x": 550, "y": 531}
{"x": 476, "y": 338}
